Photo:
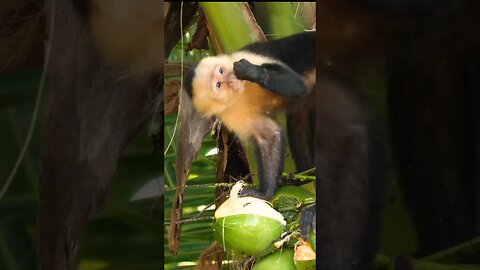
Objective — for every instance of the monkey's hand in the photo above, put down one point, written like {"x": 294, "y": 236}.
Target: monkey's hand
{"x": 274, "y": 77}
{"x": 244, "y": 70}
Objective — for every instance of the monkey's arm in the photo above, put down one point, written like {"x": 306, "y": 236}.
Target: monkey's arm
{"x": 274, "y": 77}
{"x": 270, "y": 151}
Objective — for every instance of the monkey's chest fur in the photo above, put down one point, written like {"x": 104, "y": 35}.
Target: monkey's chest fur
{"x": 249, "y": 107}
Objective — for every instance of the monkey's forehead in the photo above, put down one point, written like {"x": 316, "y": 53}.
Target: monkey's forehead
{"x": 204, "y": 71}
{"x": 207, "y": 64}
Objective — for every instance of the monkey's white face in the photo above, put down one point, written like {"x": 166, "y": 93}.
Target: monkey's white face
{"x": 214, "y": 83}
{"x": 224, "y": 79}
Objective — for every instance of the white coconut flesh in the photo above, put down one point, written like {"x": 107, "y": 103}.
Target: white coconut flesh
{"x": 236, "y": 205}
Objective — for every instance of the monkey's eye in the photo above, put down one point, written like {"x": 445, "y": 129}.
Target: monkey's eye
{"x": 218, "y": 84}
{"x": 220, "y": 70}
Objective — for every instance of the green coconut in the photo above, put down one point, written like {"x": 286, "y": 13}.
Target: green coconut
{"x": 280, "y": 260}
{"x": 247, "y": 225}
{"x": 288, "y": 200}
{"x": 297, "y": 192}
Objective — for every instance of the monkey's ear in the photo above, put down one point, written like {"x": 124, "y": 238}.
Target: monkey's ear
{"x": 270, "y": 145}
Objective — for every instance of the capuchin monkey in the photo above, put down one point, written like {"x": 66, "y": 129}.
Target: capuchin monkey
{"x": 327, "y": 129}
{"x": 431, "y": 55}
{"x": 245, "y": 90}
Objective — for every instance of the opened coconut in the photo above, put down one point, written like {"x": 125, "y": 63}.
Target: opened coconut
{"x": 247, "y": 225}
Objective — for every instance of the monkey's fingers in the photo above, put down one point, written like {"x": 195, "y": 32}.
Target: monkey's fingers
{"x": 244, "y": 70}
